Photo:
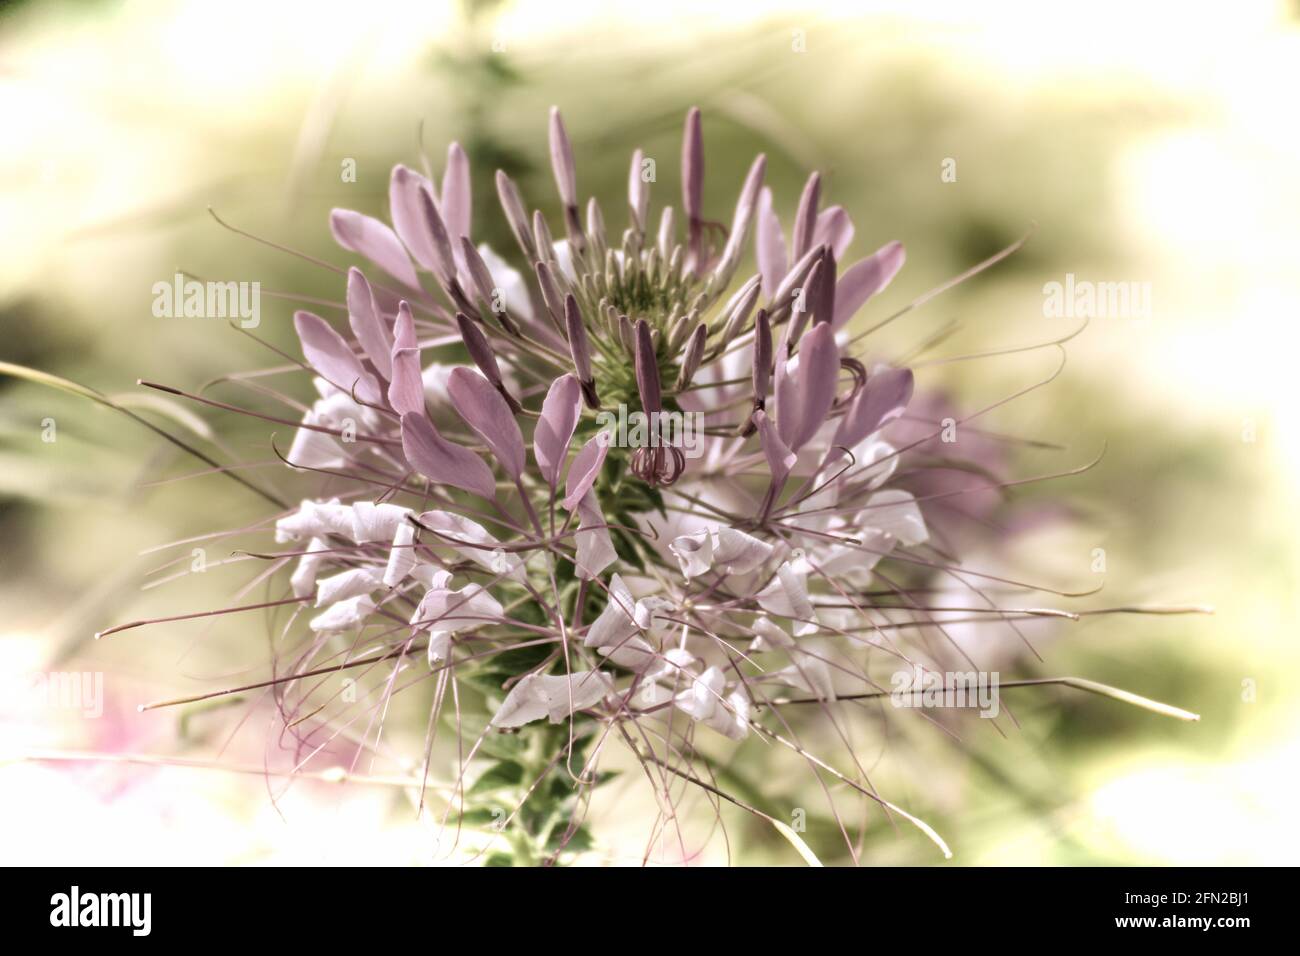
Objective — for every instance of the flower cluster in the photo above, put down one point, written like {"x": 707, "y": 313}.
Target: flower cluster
{"x": 473, "y": 510}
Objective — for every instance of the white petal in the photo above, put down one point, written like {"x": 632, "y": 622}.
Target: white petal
{"x": 514, "y": 291}
{"x": 344, "y": 615}
{"x": 456, "y": 610}
{"x": 738, "y": 553}
{"x": 439, "y": 647}
{"x": 694, "y": 552}
{"x": 401, "y": 560}
{"x": 372, "y": 522}
{"x": 554, "y": 696}
{"x": 303, "y": 580}
{"x": 595, "y": 546}
{"x": 895, "y": 512}
{"x": 348, "y": 584}
{"x": 315, "y": 519}
{"x": 480, "y": 547}
{"x": 787, "y": 596}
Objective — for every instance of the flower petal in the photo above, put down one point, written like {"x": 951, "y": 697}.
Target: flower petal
{"x": 585, "y": 469}
{"x": 368, "y": 325}
{"x": 595, "y": 545}
{"x": 485, "y": 411}
{"x": 347, "y": 584}
{"x": 780, "y": 459}
{"x": 470, "y": 540}
{"x": 368, "y": 237}
{"x": 406, "y": 388}
{"x": 896, "y": 513}
{"x": 554, "y": 696}
{"x": 456, "y": 194}
{"x": 442, "y": 461}
{"x": 554, "y": 431}
{"x": 864, "y": 279}
{"x": 818, "y": 376}
{"x": 834, "y": 229}
{"x": 769, "y": 246}
{"x": 328, "y": 353}
{"x": 345, "y": 615}
{"x": 882, "y": 399}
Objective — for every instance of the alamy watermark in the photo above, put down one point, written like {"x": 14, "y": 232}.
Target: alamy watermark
{"x": 59, "y": 690}
{"x": 190, "y": 299}
{"x": 635, "y": 429}
{"x": 1084, "y": 299}
{"x": 74, "y": 908}
{"x": 950, "y": 689}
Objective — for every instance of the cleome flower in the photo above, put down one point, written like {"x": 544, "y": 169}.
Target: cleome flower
{"x": 474, "y": 514}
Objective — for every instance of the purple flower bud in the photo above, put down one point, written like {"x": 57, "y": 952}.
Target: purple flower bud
{"x": 480, "y": 350}
{"x": 744, "y": 216}
{"x": 566, "y": 175}
{"x": 444, "y": 262}
{"x": 456, "y": 194}
{"x": 580, "y": 350}
{"x": 693, "y": 356}
{"x": 693, "y": 183}
{"x": 805, "y": 220}
{"x": 647, "y": 370}
{"x": 638, "y": 192}
{"x": 516, "y": 215}
{"x": 823, "y": 306}
{"x": 762, "y": 375}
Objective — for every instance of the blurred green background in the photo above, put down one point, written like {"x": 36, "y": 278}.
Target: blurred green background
{"x": 1151, "y": 143}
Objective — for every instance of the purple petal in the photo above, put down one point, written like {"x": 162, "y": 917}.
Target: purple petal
{"x": 367, "y": 236}
{"x": 408, "y": 218}
{"x": 585, "y": 469}
{"x": 485, "y": 411}
{"x": 442, "y": 461}
{"x": 406, "y": 387}
{"x": 780, "y": 459}
{"x": 456, "y": 193}
{"x": 834, "y": 229}
{"x": 328, "y": 353}
{"x": 368, "y": 325}
{"x": 864, "y": 279}
{"x": 819, "y": 368}
{"x": 770, "y": 243}
{"x": 560, "y": 412}
{"x": 881, "y": 400}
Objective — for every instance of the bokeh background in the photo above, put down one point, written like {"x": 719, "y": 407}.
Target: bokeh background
{"x": 1152, "y": 142}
